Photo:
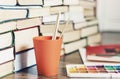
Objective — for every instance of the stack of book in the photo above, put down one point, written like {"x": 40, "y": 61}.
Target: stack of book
{"x": 17, "y": 29}
{"x": 85, "y": 25}
{"x": 21, "y": 20}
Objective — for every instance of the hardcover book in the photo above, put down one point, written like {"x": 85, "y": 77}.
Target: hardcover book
{"x": 6, "y": 68}
{"x": 26, "y": 23}
{"x": 8, "y": 2}
{"x": 6, "y": 55}
{"x": 52, "y": 2}
{"x": 7, "y": 26}
{"x": 6, "y": 39}
{"x": 75, "y": 45}
{"x": 30, "y": 2}
{"x": 24, "y": 60}
{"x": 8, "y": 14}
{"x": 108, "y": 53}
{"x": 24, "y": 38}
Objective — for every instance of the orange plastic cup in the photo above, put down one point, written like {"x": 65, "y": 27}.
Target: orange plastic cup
{"x": 47, "y": 53}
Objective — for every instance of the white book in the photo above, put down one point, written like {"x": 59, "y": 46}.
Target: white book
{"x": 37, "y": 12}
{"x": 7, "y": 26}
{"x": 8, "y": 2}
{"x": 24, "y": 59}
{"x": 6, "y": 55}
{"x": 82, "y": 52}
{"x": 75, "y": 13}
{"x": 71, "y": 36}
{"x": 12, "y": 14}
{"x": 52, "y": 2}
{"x": 6, "y": 40}
{"x": 80, "y": 25}
{"x": 94, "y": 39}
{"x": 73, "y": 46}
{"x": 30, "y": 2}
{"x": 71, "y": 2}
{"x": 57, "y": 9}
{"x": 24, "y": 38}
{"x": 25, "y": 23}
{"x": 53, "y": 18}
{"x": 92, "y": 22}
{"x": 87, "y": 31}
{"x": 6, "y": 68}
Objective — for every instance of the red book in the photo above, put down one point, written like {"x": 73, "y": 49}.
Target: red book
{"x": 110, "y": 53}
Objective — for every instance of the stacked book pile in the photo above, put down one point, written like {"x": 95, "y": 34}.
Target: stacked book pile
{"x": 21, "y": 20}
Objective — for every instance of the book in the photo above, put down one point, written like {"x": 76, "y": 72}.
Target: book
{"x": 6, "y": 39}
{"x": 24, "y": 59}
{"x": 38, "y": 12}
{"x": 87, "y": 4}
{"x": 108, "y": 53}
{"x": 73, "y": 46}
{"x": 8, "y": 2}
{"x": 8, "y": 14}
{"x": 88, "y": 18}
{"x": 6, "y": 55}
{"x": 49, "y": 28}
{"x": 57, "y": 9}
{"x": 71, "y": 36}
{"x": 82, "y": 52}
{"x": 94, "y": 39}
{"x": 24, "y": 38}
{"x": 7, "y": 26}
{"x": 75, "y": 14}
{"x": 71, "y": 2}
{"x": 87, "y": 31}
{"x": 80, "y": 25}
{"x": 52, "y": 18}
{"x": 30, "y": 2}
{"x": 83, "y": 3}
{"x": 52, "y": 2}
{"x": 92, "y": 22}
{"x": 6, "y": 69}
{"x": 89, "y": 12}
{"x": 28, "y": 22}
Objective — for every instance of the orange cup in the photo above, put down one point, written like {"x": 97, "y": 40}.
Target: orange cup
{"x": 47, "y": 53}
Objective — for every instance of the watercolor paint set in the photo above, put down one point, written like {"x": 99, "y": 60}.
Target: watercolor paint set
{"x": 81, "y": 70}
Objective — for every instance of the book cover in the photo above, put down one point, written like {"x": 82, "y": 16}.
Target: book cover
{"x": 82, "y": 52}
{"x": 108, "y": 53}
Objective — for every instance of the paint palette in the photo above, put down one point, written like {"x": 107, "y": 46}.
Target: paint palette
{"x": 81, "y": 70}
